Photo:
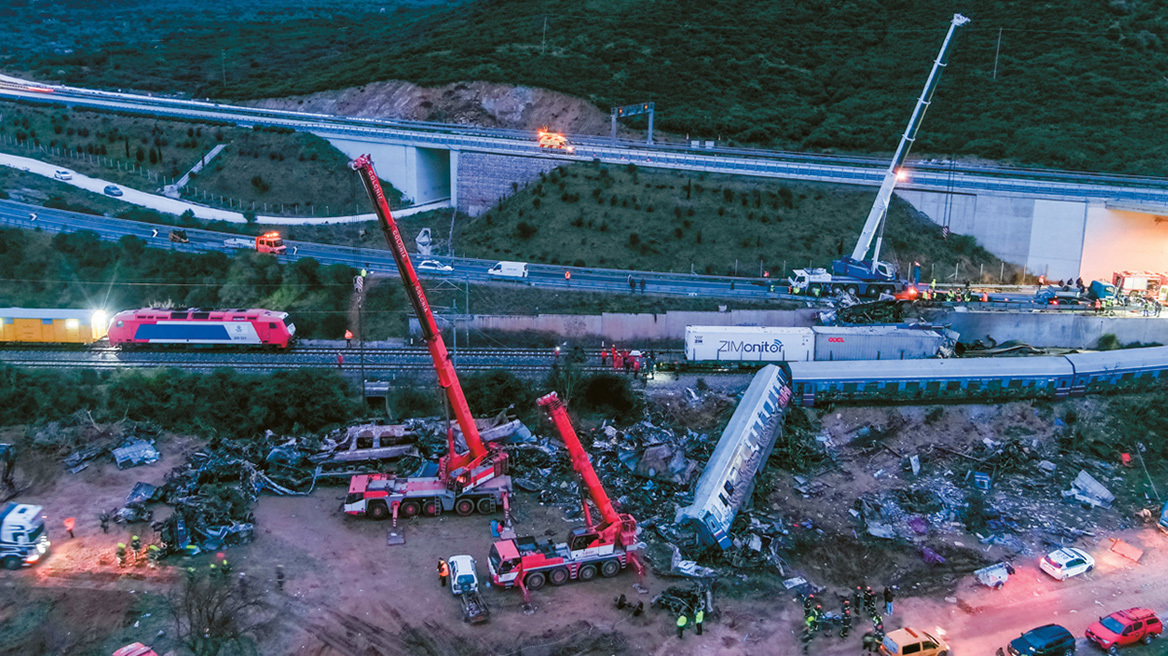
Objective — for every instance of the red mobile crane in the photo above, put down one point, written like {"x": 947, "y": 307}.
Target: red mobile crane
{"x": 464, "y": 482}
{"x": 604, "y": 548}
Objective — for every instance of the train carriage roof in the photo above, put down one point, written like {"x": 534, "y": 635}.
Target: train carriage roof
{"x": 1152, "y": 357}
{"x": 930, "y": 369}
{"x": 45, "y": 313}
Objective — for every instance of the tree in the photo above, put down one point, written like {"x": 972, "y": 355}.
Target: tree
{"x": 153, "y": 156}
{"x": 140, "y": 154}
{"x": 214, "y": 613}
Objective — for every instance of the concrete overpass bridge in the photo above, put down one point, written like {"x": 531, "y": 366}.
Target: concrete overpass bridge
{"x": 1061, "y": 223}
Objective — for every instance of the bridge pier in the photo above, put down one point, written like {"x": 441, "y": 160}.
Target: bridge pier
{"x": 423, "y": 175}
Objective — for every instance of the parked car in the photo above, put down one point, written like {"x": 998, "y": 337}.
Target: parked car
{"x": 112, "y": 190}
{"x": 1049, "y": 640}
{"x": 1124, "y": 628}
{"x": 1064, "y": 563}
{"x": 62, "y": 174}
{"x": 434, "y": 266}
{"x": 913, "y": 641}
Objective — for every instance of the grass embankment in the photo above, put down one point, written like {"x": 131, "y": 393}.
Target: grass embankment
{"x": 268, "y": 171}
{"x": 1065, "y": 85}
{"x": 617, "y": 217}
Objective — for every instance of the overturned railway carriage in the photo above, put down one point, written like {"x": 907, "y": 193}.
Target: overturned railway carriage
{"x": 51, "y": 326}
{"x": 241, "y": 328}
{"x": 742, "y": 451}
{"x": 1051, "y": 377}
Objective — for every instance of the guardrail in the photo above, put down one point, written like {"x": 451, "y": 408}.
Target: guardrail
{"x": 761, "y": 163}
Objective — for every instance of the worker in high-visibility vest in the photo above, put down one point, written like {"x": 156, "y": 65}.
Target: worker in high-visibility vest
{"x": 681, "y": 622}
{"x": 443, "y": 573}
{"x": 348, "y": 338}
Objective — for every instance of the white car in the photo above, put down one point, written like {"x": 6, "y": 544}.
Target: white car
{"x": 463, "y": 577}
{"x": 62, "y": 174}
{"x": 434, "y": 266}
{"x": 1064, "y": 563}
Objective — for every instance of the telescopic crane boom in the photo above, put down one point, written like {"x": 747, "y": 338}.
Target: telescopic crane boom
{"x": 874, "y": 227}
{"x": 453, "y": 463}
{"x": 598, "y": 549}
{"x": 612, "y": 523}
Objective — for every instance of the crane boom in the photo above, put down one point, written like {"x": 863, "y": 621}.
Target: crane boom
{"x": 874, "y": 226}
{"x": 580, "y": 462}
{"x": 447, "y": 378}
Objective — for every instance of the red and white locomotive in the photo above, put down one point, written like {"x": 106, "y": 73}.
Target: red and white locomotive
{"x": 247, "y": 328}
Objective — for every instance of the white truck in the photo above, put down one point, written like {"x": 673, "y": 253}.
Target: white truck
{"x": 23, "y": 540}
{"x": 517, "y": 270}
{"x": 464, "y": 584}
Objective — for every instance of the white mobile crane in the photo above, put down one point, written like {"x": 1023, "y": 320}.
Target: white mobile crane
{"x": 860, "y": 274}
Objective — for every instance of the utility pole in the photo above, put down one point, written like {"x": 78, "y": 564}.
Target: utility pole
{"x": 543, "y": 45}
{"x": 223, "y": 61}
{"x": 996, "y": 51}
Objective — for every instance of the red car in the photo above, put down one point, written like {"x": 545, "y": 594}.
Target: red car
{"x": 1125, "y": 627}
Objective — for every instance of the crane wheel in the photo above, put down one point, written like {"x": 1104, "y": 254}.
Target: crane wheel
{"x": 431, "y": 507}
{"x": 535, "y": 580}
{"x": 853, "y": 290}
{"x": 409, "y": 509}
{"x": 559, "y": 576}
{"x": 610, "y": 568}
{"x": 379, "y": 511}
{"x": 587, "y": 573}
{"x": 464, "y": 507}
{"x": 486, "y": 506}
{"x": 10, "y": 562}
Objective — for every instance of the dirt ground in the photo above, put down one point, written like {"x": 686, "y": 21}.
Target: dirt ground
{"x": 350, "y": 594}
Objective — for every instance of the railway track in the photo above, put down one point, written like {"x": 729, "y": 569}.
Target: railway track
{"x": 369, "y": 359}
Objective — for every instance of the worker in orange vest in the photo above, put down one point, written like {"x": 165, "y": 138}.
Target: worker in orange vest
{"x": 568, "y": 277}
{"x": 340, "y": 361}
{"x": 603, "y": 356}
{"x": 443, "y": 573}
{"x": 348, "y": 338}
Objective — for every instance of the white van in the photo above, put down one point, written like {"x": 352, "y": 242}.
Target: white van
{"x": 508, "y": 270}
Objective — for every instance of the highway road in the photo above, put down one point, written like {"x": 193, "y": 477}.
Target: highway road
{"x": 470, "y": 270}
{"x": 929, "y": 175}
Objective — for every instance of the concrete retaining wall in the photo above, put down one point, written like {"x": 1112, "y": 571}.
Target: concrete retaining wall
{"x": 482, "y": 179}
{"x": 633, "y": 327}
{"x": 1054, "y": 330}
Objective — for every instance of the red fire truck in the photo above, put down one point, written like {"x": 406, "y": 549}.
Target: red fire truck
{"x": 604, "y": 548}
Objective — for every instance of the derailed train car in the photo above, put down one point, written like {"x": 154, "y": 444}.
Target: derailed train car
{"x": 728, "y": 479}
{"x": 977, "y": 379}
{"x": 237, "y": 328}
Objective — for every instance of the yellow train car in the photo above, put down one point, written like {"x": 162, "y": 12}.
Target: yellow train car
{"x": 49, "y": 326}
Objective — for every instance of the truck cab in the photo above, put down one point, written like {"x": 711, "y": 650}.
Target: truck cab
{"x": 270, "y": 242}
{"x": 864, "y": 270}
{"x": 23, "y": 540}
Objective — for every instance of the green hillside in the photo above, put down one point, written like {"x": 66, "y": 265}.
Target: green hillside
{"x": 1074, "y": 84}
{"x": 623, "y": 217}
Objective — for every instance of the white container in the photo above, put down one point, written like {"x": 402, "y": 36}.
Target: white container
{"x": 749, "y": 344}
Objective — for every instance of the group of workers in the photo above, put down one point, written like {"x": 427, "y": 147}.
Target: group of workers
{"x": 635, "y": 362}
{"x": 862, "y": 600}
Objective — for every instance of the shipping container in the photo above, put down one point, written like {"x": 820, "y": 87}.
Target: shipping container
{"x": 748, "y": 344}
{"x": 877, "y": 343}
{"x": 52, "y": 326}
